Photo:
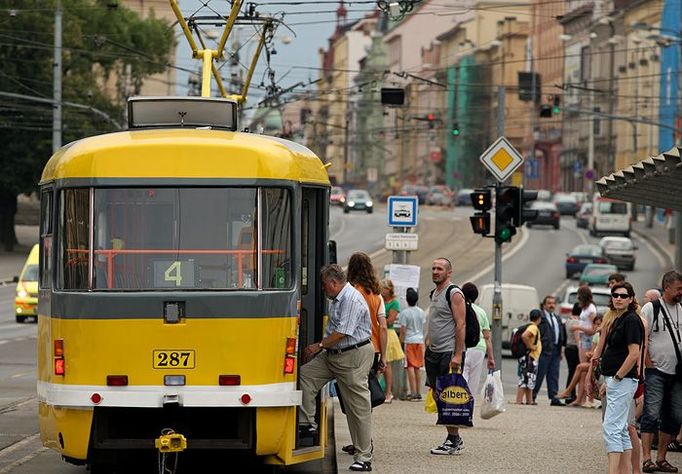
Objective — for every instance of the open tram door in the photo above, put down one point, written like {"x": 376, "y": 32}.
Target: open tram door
{"x": 314, "y": 255}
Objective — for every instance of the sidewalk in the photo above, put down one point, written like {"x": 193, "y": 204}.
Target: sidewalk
{"x": 531, "y": 439}
{"x": 657, "y": 236}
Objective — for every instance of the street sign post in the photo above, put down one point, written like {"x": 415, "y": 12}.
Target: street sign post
{"x": 501, "y": 159}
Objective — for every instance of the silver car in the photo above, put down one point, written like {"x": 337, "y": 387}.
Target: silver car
{"x": 619, "y": 251}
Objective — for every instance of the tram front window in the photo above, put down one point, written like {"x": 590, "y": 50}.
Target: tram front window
{"x": 187, "y": 238}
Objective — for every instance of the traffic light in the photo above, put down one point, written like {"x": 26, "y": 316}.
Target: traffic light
{"x": 455, "y": 129}
{"x": 556, "y": 105}
{"x": 431, "y": 118}
{"x": 481, "y": 199}
{"x": 545, "y": 111}
{"x": 521, "y": 214}
{"x": 507, "y": 198}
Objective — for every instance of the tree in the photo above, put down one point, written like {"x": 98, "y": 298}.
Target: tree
{"x": 108, "y": 51}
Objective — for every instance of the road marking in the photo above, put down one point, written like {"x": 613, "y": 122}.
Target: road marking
{"x": 21, "y": 374}
{"x": 560, "y": 289}
{"x": 24, "y": 460}
{"x": 525, "y": 235}
{"x": 659, "y": 256}
{"x": 18, "y": 445}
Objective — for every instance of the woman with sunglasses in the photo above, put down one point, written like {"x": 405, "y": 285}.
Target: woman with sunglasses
{"x": 620, "y": 344}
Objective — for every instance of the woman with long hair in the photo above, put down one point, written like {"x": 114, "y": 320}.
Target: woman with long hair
{"x": 393, "y": 350}
{"x": 361, "y": 275}
{"x": 585, "y": 329}
{"x": 622, "y": 339}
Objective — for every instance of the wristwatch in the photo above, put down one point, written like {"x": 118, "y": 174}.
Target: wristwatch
{"x": 618, "y": 378}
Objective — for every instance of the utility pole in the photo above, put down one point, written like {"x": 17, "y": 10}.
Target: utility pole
{"x": 57, "y": 81}
{"x": 497, "y": 294}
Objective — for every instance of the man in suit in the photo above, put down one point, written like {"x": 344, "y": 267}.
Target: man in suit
{"x": 553, "y": 337}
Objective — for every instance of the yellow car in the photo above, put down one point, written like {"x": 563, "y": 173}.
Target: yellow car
{"x": 26, "y": 301}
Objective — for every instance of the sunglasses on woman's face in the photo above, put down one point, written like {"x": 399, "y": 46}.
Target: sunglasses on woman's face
{"x": 622, "y": 296}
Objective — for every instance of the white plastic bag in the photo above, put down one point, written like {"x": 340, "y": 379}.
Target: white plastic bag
{"x": 492, "y": 396}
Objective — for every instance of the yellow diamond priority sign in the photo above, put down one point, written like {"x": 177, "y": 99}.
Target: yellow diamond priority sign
{"x": 501, "y": 159}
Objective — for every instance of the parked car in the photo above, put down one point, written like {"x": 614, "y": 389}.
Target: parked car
{"x": 597, "y": 273}
{"x": 548, "y": 214}
{"x": 620, "y": 251}
{"x": 422, "y": 193}
{"x": 580, "y": 197}
{"x": 582, "y": 255}
{"x": 582, "y": 218}
{"x": 337, "y": 196}
{"x": 464, "y": 197}
{"x": 610, "y": 217}
{"x": 518, "y": 301}
{"x": 358, "y": 200}
{"x": 600, "y": 295}
{"x": 566, "y": 204}
{"x": 439, "y": 195}
{"x": 26, "y": 299}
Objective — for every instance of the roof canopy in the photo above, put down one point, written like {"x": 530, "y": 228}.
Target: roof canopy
{"x": 656, "y": 181}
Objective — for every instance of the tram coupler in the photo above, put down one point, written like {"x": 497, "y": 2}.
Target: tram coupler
{"x": 170, "y": 442}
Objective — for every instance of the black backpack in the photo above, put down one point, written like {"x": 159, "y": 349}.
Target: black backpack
{"x": 516, "y": 344}
{"x": 472, "y": 333}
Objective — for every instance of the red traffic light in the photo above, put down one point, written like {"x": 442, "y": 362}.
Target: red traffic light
{"x": 431, "y": 117}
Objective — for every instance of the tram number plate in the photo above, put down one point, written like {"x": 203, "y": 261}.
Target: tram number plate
{"x": 174, "y": 359}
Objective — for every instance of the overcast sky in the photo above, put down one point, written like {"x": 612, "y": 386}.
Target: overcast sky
{"x": 312, "y": 24}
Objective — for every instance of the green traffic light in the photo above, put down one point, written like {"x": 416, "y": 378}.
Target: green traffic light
{"x": 505, "y": 234}
{"x": 456, "y": 132}
{"x": 556, "y": 110}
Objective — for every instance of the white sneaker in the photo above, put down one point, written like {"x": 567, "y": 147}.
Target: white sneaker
{"x": 449, "y": 447}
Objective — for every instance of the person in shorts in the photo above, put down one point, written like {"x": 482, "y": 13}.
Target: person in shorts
{"x": 528, "y": 363}
{"x": 411, "y": 321}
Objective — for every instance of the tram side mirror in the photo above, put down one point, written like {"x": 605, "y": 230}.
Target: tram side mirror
{"x": 331, "y": 247}
{"x": 15, "y": 279}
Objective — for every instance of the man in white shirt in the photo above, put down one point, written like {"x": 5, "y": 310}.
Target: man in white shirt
{"x": 662, "y": 387}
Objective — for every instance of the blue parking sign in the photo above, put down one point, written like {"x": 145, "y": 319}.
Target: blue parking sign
{"x": 402, "y": 211}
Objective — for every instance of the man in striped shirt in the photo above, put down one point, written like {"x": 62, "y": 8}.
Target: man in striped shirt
{"x": 344, "y": 354}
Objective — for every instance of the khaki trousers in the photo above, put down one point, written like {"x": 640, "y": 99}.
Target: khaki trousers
{"x": 350, "y": 369}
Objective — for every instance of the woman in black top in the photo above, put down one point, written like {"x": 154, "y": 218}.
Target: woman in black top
{"x": 623, "y": 338}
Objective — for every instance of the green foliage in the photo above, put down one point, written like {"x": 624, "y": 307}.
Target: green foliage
{"x": 107, "y": 54}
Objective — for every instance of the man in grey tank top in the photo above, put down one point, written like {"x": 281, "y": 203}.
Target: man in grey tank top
{"x": 445, "y": 340}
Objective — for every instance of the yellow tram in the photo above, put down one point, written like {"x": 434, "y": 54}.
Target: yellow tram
{"x": 178, "y": 281}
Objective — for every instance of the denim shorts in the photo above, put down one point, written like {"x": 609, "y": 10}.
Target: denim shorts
{"x": 662, "y": 403}
{"x": 618, "y": 401}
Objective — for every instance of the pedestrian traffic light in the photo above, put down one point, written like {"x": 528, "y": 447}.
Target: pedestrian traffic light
{"x": 431, "y": 118}
{"x": 481, "y": 199}
{"x": 556, "y": 105}
{"x": 507, "y": 198}
{"x": 455, "y": 129}
{"x": 521, "y": 213}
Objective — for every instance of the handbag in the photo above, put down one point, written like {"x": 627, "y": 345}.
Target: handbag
{"x": 678, "y": 367}
{"x": 376, "y": 393}
{"x": 594, "y": 380}
{"x": 454, "y": 401}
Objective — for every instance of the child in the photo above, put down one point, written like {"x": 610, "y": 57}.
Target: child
{"x": 528, "y": 364}
{"x": 411, "y": 322}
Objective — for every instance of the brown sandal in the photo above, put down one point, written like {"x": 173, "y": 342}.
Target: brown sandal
{"x": 649, "y": 466}
{"x": 665, "y": 466}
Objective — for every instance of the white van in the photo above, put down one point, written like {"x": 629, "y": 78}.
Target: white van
{"x": 517, "y": 301}
{"x": 610, "y": 217}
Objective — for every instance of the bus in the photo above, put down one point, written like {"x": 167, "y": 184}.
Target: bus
{"x": 179, "y": 264}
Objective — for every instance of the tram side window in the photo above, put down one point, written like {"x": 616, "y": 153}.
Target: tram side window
{"x": 276, "y": 218}
{"x": 46, "y": 239}
{"x": 75, "y": 246}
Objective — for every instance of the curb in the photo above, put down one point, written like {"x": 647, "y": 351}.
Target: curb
{"x": 657, "y": 245}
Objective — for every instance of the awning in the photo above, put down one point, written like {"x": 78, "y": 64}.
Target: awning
{"x": 656, "y": 181}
